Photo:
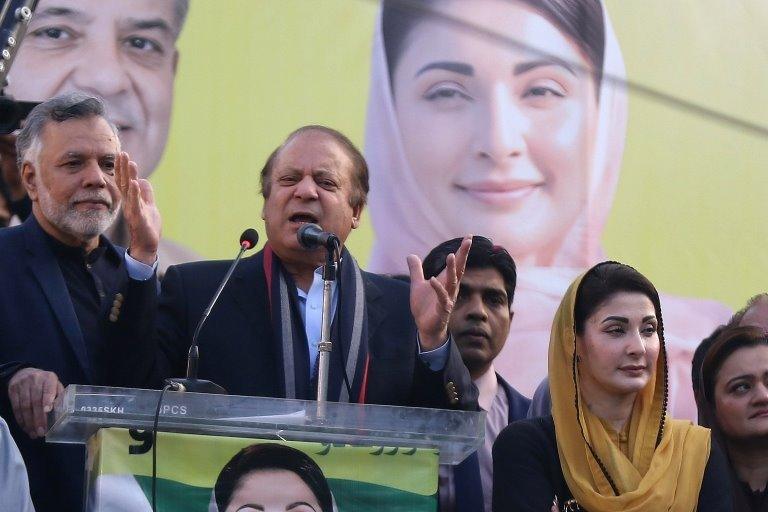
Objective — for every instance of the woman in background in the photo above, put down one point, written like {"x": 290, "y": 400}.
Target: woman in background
{"x": 520, "y": 142}
{"x": 734, "y": 403}
{"x": 608, "y": 444}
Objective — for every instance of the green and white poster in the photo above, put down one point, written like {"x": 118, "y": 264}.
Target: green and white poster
{"x": 226, "y": 474}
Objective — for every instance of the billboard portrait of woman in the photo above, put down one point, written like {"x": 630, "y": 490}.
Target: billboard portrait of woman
{"x": 509, "y": 124}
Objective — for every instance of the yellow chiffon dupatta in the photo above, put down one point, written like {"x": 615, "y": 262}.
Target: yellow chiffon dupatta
{"x": 665, "y": 464}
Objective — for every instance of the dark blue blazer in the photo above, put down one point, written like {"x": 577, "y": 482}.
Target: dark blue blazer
{"x": 238, "y": 349}
{"x": 39, "y": 329}
{"x": 518, "y": 404}
{"x": 468, "y": 488}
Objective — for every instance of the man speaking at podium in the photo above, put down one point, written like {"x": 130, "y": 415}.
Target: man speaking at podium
{"x": 261, "y": 336}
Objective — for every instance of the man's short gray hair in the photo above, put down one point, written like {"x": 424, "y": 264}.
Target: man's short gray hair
{"x": 73, "y": 105}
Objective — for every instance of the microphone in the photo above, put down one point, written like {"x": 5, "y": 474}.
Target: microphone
{"x": 312, "y": 236}
{"x": 191, "y": 383}
{"x": 249, "y": 239}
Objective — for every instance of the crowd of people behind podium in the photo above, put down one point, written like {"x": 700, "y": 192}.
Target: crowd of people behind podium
{"x": 76, "y": 309}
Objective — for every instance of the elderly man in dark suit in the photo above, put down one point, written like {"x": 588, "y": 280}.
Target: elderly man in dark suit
{"x": 480, "y": 324}
{"x": 65, "y": 290}
{"x": 262, "y": 337}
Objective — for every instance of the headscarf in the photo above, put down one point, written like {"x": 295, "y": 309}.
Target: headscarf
{"x": 406, "y": 222}
{"x": 399, "y": 211}
{"x": 668, "y": 457}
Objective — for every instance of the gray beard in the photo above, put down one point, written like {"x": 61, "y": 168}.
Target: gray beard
{"x": 68, "y": 219}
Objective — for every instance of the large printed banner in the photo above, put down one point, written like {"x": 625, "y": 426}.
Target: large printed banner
{"x": 629, "y": 130}
{"x": 224, "y": 474}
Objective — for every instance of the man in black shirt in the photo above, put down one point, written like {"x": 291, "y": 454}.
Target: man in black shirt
{"x": 65, "y": 290}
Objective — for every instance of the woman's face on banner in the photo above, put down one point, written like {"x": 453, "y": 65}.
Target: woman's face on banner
{"x": 498, "y": 137}
{"x": 273, "y": 490}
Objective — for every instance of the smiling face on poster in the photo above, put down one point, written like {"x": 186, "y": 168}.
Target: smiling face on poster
{"x": 503, "y": 131}
{"x": 499, "y": 117}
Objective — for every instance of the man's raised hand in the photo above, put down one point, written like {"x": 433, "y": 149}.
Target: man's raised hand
{"x": 139, "y": 210}
{"x": 432, "y": 300}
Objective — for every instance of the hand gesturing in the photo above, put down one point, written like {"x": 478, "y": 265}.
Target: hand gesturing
{"x": 432, "y": 301}
{"x": 139, "y": 210}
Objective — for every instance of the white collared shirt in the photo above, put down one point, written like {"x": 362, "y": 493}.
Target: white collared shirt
{"x": 493, "y": 400}
{"x": 311, "y": 308}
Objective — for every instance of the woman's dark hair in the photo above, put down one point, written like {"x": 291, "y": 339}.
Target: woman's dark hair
{"x": 698, "y": 358}
{"x": 727, "y": 342}
{"x": 579, "y": 20}
{"x": 269, "y": 456}
{"x": 603, "y": 281}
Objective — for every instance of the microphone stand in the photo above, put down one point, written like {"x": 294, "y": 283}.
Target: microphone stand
{"x": 325, "y": 345}
{"x": 191, "y": 383}
{"x": 15, "y": 16}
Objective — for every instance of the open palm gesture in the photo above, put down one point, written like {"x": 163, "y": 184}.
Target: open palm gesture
{"x": 432, "y": 300}
{"x": 139, "y": 210}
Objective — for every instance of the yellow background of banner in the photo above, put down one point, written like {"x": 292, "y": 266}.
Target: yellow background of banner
{"x": 690, "y": 207}
{"x": 197, "y": 460}
{"x": 689, "y": 211}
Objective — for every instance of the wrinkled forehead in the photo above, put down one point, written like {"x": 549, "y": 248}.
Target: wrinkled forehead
{"x": 313, "y": 151}
{"x": 141, "y": 14}
{"x": 91, "y": 136}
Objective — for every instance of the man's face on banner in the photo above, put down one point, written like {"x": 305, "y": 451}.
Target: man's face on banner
{"x": 123, "y": 51}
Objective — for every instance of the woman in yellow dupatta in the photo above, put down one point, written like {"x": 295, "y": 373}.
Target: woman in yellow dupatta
{"x": 608, "y": 445}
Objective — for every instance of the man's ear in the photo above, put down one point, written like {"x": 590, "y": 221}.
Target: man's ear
{"x": 29, "y": 177}
{"x": 357, "y": 214}
{"x": 511, "y": 315}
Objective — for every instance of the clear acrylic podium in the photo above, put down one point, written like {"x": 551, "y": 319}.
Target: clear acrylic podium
{"x": 84, "y": 410}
